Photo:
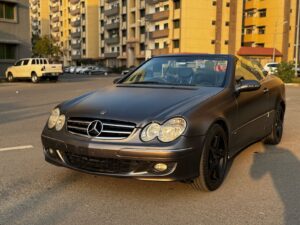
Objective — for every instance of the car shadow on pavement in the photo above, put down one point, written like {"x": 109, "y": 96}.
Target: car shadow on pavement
{"x": 284, "y": 168}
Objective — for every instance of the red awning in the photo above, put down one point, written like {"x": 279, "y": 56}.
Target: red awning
{"x": 257, "y": 51}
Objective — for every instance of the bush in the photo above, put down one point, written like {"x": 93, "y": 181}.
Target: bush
{"x": 286, "y": 71}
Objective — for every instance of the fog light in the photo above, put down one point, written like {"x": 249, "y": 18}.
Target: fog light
{"x": 51, "y": 151}
{"x": 160, "y": 167}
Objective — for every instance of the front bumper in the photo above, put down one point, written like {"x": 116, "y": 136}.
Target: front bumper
{"x": 124, "y": 159}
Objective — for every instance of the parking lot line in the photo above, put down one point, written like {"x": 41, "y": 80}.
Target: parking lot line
{"x": 16, "y": 148}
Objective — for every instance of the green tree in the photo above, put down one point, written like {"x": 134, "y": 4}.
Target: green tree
{"x": 45, "y": 47}
{"x": 286, "y": 71}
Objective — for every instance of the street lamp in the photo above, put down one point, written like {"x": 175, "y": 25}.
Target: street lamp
{"x": 274, "y": 39}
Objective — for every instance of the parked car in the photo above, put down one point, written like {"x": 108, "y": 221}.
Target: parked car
{"x": 72, "y": 69}
{"x": 100, "y": 70}
{"x": 175, "y": 118}
{"x": 66, "y": 69}
{"x": 34, "y": 69}
{"x": 271, "y": 68}
{"x": 78, "y": 69}
{"x": 87, "y": 70}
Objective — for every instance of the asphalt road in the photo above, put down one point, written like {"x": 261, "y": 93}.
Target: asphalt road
{"x": 262, "y": 187}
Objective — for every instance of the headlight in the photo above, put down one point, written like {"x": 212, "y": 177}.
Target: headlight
{"x": 53, "y": 118}
{"x": 60, "y": 122}
{"x": 150, "y": 132}
{"x": 167, "y": 132}
{"x": 172, "y": 129}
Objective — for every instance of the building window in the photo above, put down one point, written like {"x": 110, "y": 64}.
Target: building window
{"x": 166, "y": 26}
{"x": 142, "y": 47}
{"x": 214, "y": 3}
{"x": 157, "y": 9}
{"x": 176, "y": 4}
{"x": 156, "y": 27}
{"x": 83, "y": 52}
{"x": 227, "y": 4}
{"x": 176, "y": 24}
{"x": 7, "y": 11}
{"x": 142, "y": 30}
{"x": 260, "y": 45}
{"x": 262, "y": 12}
{"x": 226, "y": 42}
{"x": 7, "y": 51}
{"x": 165, "y": 44}
{"x": 226, "y": 23}
{"x": 156, "y": 46}
{"x": 213, "y": 42}
{"x": 142, "y": 12}
{"x": 213, "y": 22}
{"x": 123, "y": 48}
{"x": 166, "y": 7}
{"x": 261, "y": 30}
{"x": 176, "y": 43}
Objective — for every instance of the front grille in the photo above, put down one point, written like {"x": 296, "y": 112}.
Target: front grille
{"x": 101, "y": 165}
{"x": 112, "y": 129}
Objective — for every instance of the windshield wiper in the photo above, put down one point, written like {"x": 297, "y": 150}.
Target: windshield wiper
{"x": 147, "y": 82}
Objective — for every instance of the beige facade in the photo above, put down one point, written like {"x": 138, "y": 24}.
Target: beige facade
{"x": 271, "y": 24}
{"x": 39, "y": 18}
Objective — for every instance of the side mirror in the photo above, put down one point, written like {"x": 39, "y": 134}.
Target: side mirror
{"x": 247, "y": 85}
{"x": 117, "y": 80}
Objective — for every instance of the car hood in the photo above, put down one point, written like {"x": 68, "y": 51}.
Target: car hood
{"x": 137, "y": 104}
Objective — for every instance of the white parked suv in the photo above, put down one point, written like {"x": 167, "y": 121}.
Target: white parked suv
{"x": 35, "y": 69}
{"x": 271, "y": 68}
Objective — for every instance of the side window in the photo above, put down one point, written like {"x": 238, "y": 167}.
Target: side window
{"x": 45, "y": 61}
{"x": 242, "y": 72}
{"x": 25, "y": 62}
{"x": 41, "y": 61}
{"x": 19, "y": 63}
{"x": 33, "y": 62}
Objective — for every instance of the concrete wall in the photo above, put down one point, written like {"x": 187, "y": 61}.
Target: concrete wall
{"x": 16, "y": 32}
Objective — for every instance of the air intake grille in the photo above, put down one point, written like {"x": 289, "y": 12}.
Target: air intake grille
{"x": 111, "y": 129}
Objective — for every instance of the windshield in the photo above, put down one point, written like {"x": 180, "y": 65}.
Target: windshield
{"x": 181, "y": 71}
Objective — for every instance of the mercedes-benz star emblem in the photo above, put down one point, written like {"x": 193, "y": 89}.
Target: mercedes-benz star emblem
{"x": 95, "y": 128}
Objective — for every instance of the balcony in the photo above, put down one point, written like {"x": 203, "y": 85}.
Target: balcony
{"x": 112, "y": 26}
{"x": 34, "y": 9}
{"x": 54, "y": 9}
{"x": 55, "y": 29}
{"x": 55, "y": 19}
{"x": 74, "y": 1}
{"x": 34, "y": 19}
{"x": 153, "y": 2}
{"x": 75, "y": 11}
{"x": 55, "y": 38}
{"x": 34, "y": 2}
{"x": 35, "y": 26}
{"x": 76, "y": 45}
{"x": 75, "y": 23}
{"x": 76, "y": 34}
{"x": 158, "y": 16}
{"x": 160, "y": 51}
{"x": 112, "y": 12}
{"x": 76, "y": 56}
{"x": 112, "y": 40}
{"x": 159, "y": 34}
{"x": 250, "y": 5}
{"x": 250, "y": 21}
{"x": 111, "y": 54}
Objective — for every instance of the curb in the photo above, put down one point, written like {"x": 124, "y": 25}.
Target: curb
{"x": 292, "y": 85}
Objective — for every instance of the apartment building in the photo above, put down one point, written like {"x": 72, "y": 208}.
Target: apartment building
{"x": 134, "y": 30}
{"x": 74, "y": 28}
{"x": 14, "y": 32}
{"x": 271, "y": 24}
{"x": 39, "y": 17}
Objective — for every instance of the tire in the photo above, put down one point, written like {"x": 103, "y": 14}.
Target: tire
{"x": 34, "y": 78}
{"x": 275, "y": 136}
{"x": 10, "y": 77}
{"x": 213, "y": 160}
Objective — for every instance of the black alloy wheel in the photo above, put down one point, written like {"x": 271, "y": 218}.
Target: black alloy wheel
{"x": 213, "y": 162}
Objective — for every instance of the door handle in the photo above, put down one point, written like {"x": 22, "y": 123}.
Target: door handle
{"x": 266, "y": 90}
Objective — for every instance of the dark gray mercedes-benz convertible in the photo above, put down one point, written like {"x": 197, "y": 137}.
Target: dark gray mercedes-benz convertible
{"x": 175, "y": 117}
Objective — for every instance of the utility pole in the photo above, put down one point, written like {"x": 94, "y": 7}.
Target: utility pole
{"x": 297, "y": 40}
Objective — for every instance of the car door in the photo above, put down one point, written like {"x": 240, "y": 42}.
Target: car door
{"x": 24, "y": 68}
{"x": 17, "y": 69}
{"x": 253, "y": 107}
